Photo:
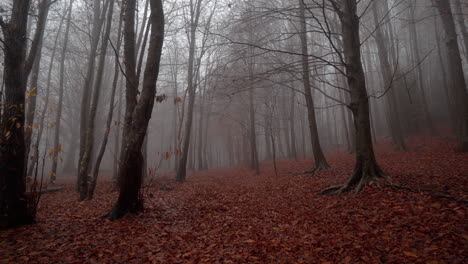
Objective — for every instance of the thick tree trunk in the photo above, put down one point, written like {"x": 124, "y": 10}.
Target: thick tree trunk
{"x": 366, "y": 168}
{"x": 13, "y": 201}
{"x": 456, "y": 74}
{"x": 130, "y": 170}
{"x": 320, "y": 161}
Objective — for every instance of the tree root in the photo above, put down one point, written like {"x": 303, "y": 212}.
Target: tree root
{"x": 319, "y": 167}
{"x": 344, "y": 188}
{"x": 427, "y": 192}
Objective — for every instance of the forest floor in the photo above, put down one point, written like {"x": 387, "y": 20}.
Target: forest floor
{"x": 234, "y": 216}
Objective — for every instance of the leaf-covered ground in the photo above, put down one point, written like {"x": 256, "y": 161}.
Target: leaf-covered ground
{"x": 233, "y": 216}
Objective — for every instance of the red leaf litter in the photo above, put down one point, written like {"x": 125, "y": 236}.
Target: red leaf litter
{"x": 234, "y": 216}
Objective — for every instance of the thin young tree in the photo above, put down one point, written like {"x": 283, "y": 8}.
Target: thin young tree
{"x": 85, "y": 163}
{"x": 105, "y": 138}
{"x": 386, "y": 69}
{"x": 98, "y": 21}
{"x": 319, "y": 158}
{"x": 58, "y": 115}
{"x": 195, "y": 11}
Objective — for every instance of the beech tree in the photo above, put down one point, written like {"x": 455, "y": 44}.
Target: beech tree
{"x": 366, "y": 168}
{"x": 14, "y": 206}
{"x": 138, "y": 110}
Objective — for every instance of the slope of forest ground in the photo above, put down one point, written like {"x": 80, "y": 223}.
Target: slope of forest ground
{"x": 233, "y": 216}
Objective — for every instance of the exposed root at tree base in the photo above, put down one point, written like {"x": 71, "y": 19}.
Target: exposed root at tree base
{"x": 344, "y": 188}
{"x": 322, "y": 166}
{"x": 360, "y": 178}
{"x": 427, "y": 192}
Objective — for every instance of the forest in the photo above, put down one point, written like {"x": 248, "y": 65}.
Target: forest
{"x": 219, "y": 131}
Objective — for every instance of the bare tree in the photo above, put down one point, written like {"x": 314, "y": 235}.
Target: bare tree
{"x": 14, "y": 207}
{"x": 138, "y": 116}
{"x": 320, "y": 161}
{"x": 366, "y": 168}
{"x": 58, "y": 117}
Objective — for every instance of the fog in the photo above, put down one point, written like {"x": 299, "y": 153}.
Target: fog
{"x": 240, "y": 83}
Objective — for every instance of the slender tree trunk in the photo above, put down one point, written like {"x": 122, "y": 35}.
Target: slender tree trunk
{"x": 130, "y": 170}
{"x": 443, "y": 70}
{"x": 57, "y": 147}
{"x": 82, "y": 178}
{"x": 456, "y": 74}
{"x": 320, "y": 161}
{"x": 85, "y": 165}
{"x": 417, "y": 57}
{"x": 31, "y": 109}
{"x": 191, "y": 87}
{"x": 118, "y": 125}
{"x": 394, "y": 119}
{"x": 292, "y": 132}
{"x": 252, "y": 131}
{"x": 461, "y": 17}
{"x": 102, "y": 149}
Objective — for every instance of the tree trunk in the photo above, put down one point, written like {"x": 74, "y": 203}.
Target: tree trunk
{"x": 102, "y": 149}
{"x": 85, "y": 165}
{"x": 320, "y": 161}
{"x": 82, "y": 178}
{"x": 13, "y": 201}
{"x": 191, "y": 87}
{"x": 456, "y": 74}
{"x": 415, "y": 46}
{"x": 387, "y": 75}
{"x": 292, "y": 129}
{"x": 58, "y": 117}
{"x": 130, "y": 170}
{"x": 461, "y": 17}
{"x": 366, "y": 168}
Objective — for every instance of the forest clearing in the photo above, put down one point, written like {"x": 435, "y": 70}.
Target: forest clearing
{"x": 234, "y": 216}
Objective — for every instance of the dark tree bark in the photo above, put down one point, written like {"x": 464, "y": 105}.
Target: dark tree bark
{"x": 456, "y": 74}
{"x": 130, "y": 170}
{"x": 366, "y": 168}
{"x": 13, "y": 201}
{"x": 320, "y": 161}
